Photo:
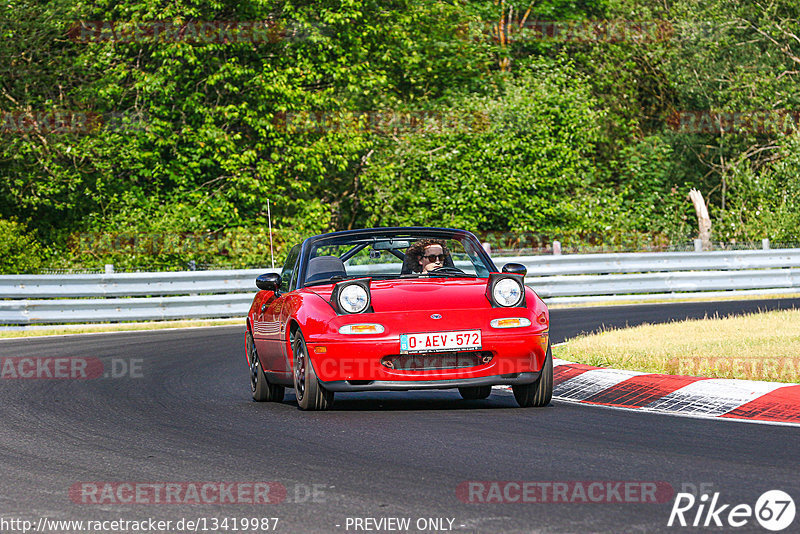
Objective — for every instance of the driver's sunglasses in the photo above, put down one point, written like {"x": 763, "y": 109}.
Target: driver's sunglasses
{"x": 434, "y": 257}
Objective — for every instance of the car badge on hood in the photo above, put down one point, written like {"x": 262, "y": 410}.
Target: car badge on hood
{"x": 435, "y": 316}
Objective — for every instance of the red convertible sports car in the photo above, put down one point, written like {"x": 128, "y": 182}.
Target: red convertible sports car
{"x": 396, "y": 309}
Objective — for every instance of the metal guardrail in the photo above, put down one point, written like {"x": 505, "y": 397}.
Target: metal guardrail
{"x": 114, "y": 297}
{"x": 44, "y": 286}
{"x": 89, "y": 298}
{"x": 643, "y": 262}
{"x": 666, "y": 282}
{"x": 53, "y": 311}
{"x": 587, "y": 277}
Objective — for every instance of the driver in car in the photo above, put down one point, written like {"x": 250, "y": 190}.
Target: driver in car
{"x": 427, "y": 255}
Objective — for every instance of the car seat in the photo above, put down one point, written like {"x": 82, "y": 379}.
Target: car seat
{"x": 323, "y": 268}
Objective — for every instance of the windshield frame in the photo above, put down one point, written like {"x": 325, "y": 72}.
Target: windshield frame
{"x": 368, "y": 234}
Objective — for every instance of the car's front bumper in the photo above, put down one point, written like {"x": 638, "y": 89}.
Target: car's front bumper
{"x": 513, "y": 358}
{"x": 406, "y": 385}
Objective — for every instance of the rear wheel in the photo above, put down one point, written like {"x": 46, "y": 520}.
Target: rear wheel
{"x": 540, "y": 392}
{"x": 259, "y": 385}
{"x": 311, "y": 395}
{"x": 475, "y": 392}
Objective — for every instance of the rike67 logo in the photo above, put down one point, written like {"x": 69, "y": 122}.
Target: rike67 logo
{"x": 774, "y": 510}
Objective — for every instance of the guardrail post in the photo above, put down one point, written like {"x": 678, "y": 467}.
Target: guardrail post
{"x": 765, "y": 243}
{"x": 698, "y": 245}
{"x": 556, "y": 248}
{"x": 109, "y": 268}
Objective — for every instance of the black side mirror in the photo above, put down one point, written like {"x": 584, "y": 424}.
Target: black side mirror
{"x": 269, "y": 282}
{"x": 515, "y": 268}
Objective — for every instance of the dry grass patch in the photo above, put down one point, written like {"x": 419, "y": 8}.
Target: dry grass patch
{"x": 759, "y": 346}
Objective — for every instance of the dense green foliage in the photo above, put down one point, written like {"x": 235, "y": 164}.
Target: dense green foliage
{"x": 19, "y": 251}
{"x": 517, "y": 164}
{"x": 346, "y": 113}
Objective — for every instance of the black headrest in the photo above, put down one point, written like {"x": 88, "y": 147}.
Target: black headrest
{"x": 324, "y": 267}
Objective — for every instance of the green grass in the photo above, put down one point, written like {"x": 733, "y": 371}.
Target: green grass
{"x": 759, "y": 346}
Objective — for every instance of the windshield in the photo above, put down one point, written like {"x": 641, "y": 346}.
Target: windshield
{"x": 387, "y": 257}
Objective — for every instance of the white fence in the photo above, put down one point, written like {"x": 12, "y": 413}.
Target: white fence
{"x": 88, "y": 298}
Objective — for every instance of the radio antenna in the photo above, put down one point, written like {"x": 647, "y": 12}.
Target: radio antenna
{"x": 269, "y": 218}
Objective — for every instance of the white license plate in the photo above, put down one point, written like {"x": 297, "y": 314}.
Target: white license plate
{"x": 440, "y": 341}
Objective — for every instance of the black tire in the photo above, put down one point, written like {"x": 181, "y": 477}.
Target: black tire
{"x": 475, "y": 392}
{"x": 540, "y": 392}
{"x": 311, "y": 395}
{"x": 262, "y": 390}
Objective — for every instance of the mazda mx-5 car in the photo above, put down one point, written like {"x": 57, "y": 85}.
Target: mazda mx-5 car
{"x": 396, "y": 309}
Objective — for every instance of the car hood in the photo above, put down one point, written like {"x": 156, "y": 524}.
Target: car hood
{"x": 421, "y": 294}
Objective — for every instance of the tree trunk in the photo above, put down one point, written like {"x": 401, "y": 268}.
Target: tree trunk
{"x": 703, "y": 220}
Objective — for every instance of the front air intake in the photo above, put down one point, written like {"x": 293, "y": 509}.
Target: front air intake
{"x": 428, "y": 361}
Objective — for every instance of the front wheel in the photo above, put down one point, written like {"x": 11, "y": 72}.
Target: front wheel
{"x": 259, "y": 385}
{"x": 540, "y": 392}
{"x": 311, "y": 395}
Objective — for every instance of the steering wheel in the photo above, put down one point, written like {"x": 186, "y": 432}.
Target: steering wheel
{"x": 445, "y": 269}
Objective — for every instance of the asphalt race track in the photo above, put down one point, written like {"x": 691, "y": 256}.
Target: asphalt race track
{"x": 179, "y": 411}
